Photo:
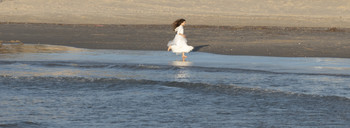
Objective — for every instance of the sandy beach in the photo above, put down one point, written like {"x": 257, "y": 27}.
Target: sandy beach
{"x": 104, "y": 63}
{"x": 301, "y": 13}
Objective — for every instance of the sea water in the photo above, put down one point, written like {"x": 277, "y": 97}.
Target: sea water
{"x": 123, "y": 88}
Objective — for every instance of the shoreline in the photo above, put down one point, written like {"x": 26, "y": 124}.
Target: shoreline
{"x": 227, "y": 40}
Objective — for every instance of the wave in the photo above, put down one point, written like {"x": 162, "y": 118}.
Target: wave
{"x": 96, "y": 65}
{"x": 21, "y": 124}
{"x": 110, "y": 84}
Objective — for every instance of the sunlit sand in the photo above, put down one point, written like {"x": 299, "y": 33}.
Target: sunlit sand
{"x": 23, "y": 48}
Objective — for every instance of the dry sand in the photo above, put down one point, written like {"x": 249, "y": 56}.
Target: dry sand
{"x": 293, "y": 13}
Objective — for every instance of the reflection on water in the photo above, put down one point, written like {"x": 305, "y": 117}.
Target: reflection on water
{"x": 36, "y": 48}
{"x": 181, "y": 63}
{"x": 182, "y": 75}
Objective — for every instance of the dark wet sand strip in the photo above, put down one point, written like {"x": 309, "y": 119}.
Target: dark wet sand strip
{"x": 235, "y": 40}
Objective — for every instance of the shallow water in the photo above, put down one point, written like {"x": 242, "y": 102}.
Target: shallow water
{"x": 53, "y": 86}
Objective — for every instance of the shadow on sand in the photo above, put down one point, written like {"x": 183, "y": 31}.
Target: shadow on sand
{"x": 197, "y": 48}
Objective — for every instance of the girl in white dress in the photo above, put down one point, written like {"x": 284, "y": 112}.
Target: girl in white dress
{"x": 179, "y": 44}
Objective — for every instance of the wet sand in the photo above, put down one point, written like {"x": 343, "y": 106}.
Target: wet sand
{"x": 230, "y": 40}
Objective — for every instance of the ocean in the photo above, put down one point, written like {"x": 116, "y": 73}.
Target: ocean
{"x": 57, "y": 86}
